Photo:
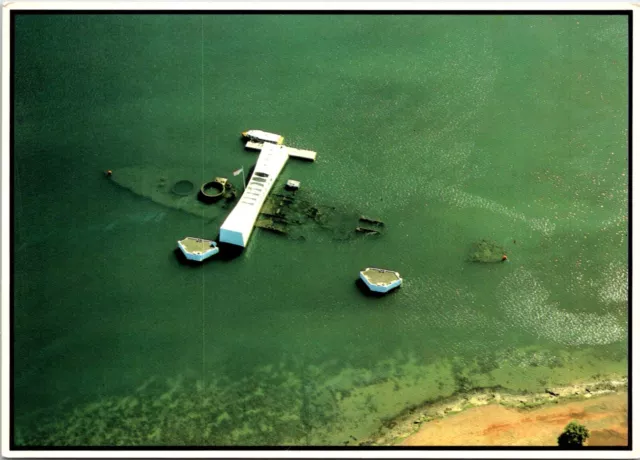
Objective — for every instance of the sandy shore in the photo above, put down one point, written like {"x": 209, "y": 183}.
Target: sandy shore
{"x": 489, "y": 418}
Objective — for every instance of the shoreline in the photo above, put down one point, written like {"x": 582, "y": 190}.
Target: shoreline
{"x": 412, "y": 420}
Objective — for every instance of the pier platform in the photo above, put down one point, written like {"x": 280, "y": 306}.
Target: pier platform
{"x": 303, "y": 154}
{"x": 238, "y": 226}
{"x": 295, "y": 153}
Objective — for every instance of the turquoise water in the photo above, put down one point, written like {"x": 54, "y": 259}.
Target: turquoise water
{"x": 449, "y": 128}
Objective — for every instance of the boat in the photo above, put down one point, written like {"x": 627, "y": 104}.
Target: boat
{"x": 263, "y": 136}
{"x": 198, "y": 249}
{"x": 380, "y": 280}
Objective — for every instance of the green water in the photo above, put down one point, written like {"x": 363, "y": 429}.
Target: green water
{"x": 449, "y": 128}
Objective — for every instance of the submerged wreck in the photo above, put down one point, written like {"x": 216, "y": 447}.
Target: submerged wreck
{"x": 486, "y": 251}
{"x": 293, "y": 214}
{"x": 285, "y": 213}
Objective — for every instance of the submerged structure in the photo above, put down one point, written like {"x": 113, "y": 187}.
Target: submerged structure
{"x": 380, "y": 280}
{"x": 212, "y": 191}
{"x": 486, "y": 251}
{"x": 291, "y": 211}
{"x": 294, "y": 214}
{"x": 293, "y": 184}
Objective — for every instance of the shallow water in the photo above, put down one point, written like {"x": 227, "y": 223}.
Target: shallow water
{"x": 449, "y": 128}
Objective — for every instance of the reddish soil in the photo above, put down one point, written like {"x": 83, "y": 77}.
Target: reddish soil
{"x": 493, "y": 425}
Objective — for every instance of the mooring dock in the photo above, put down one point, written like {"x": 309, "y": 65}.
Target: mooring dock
{"x": 198, "y": 249}
{"x": 380, "y": 280}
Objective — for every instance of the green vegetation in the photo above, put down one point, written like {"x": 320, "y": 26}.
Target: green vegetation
{"x": 574, "y": 435}
{"x": 273, "y": 407}
{"x": 535, "y": 404}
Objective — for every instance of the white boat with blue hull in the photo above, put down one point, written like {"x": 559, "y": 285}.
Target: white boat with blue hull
{"x": 198, "y": 249}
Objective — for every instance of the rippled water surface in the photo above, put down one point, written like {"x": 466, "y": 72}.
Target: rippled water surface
{"x": 450, "y": 129}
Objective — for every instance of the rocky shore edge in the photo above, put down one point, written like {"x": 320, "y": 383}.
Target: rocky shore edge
{"x": 409, "y": 422}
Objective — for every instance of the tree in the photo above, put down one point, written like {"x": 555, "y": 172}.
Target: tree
{"x": 574, "y": 435}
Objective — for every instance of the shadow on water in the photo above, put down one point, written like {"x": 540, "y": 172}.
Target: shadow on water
{"x": 362, "y": 287}
{"x": 228, "y": 252}
{"x": 182, "y": 260}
